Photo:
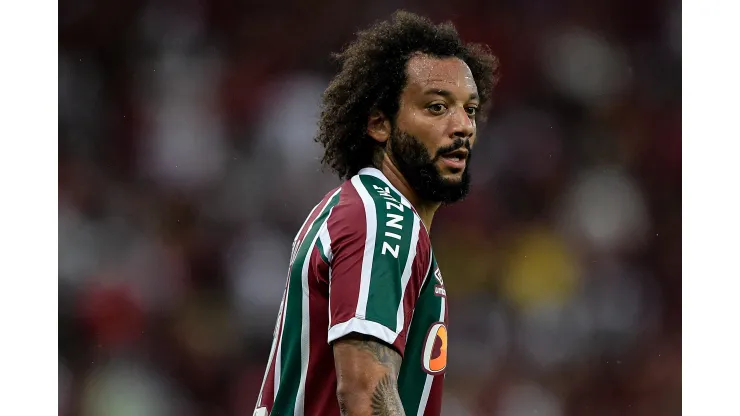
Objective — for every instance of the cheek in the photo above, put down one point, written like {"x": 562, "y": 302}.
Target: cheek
{"x": 426, "y": 131}
{"x": 433, "y": 139}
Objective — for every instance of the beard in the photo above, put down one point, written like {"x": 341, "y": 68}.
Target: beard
{"x": 420, "y": 170}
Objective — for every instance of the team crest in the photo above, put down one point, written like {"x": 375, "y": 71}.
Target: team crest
{"x": 434, "y": 355}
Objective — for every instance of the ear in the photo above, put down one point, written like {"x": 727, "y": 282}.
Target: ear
{"x": 378, "y": 126}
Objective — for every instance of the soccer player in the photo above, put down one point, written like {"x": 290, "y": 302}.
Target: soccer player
{"x": 362, "y": 327}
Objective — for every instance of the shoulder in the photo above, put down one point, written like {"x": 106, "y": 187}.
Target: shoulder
{"x": 371, "y": 212}
{"x": 366, "y": 201}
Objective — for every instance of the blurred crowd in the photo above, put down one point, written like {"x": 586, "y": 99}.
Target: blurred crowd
{"x": 187, "y": 164}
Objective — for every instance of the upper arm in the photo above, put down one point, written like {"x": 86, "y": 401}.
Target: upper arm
{"x": 367, "y": 373}
{"x": 379, "y": 256}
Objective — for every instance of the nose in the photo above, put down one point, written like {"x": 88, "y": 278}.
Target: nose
{"x": 462, "y": 125}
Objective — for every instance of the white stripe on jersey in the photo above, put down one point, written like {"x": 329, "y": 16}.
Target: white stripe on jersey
{"x": 273, "y": 347}
{"x": 407, "y": 273}
{"x": 378, "y": 174}
{"x": 326, "y": 241}
{"x": 430, "y": 378}
{"x": 298, "y": 234}
{"x": 276, "y": 348}
{"x": 305, "y": 319}
{"x": 281, "y": 318}
{"x": 361, "y": 326}
{"x": 367, "y": 258}
{"x": 279, "y": 349}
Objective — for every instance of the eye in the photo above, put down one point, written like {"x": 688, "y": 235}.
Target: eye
{"x": 472, "y": 111}
{"x": 437, "y": 109}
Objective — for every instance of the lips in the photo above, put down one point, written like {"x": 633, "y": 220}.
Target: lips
{"x": 457, "y": 154}
{"x": 455, "y": 159}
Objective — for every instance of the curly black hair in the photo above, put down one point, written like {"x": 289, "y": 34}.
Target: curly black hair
{"x": 373, "y": 75}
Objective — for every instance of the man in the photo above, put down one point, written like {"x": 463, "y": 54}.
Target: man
{"x": 362, "y": 327}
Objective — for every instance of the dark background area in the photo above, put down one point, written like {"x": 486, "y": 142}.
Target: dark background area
{"x": 186, "y": 166}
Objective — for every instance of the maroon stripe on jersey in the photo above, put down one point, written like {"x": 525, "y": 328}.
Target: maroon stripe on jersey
{"x": 419, "y": 272}
{"x": 347, "y": 229}
{"x": 434, "y": 404}
{"x": 321, "y": 381}
{"x": 268, "y": 389}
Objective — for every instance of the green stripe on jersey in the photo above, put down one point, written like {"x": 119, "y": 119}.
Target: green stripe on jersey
{"x": 412, "y": 378}
{"x": 290, "y": 373}
{"x": 392, "y": 245}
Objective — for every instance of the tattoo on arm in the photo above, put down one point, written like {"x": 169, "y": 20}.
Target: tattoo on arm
{"x": 385, "y": 400}
{"x": 384, "y": 354}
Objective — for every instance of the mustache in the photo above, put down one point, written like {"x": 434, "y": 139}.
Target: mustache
{"x": 457, "y": 144}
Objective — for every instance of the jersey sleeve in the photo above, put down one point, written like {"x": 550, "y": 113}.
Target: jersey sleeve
{"x": 379, "y": 256}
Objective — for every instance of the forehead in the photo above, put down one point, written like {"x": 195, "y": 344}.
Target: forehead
{"x": 426, "y": 72}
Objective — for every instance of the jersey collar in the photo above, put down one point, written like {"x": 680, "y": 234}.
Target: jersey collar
{"x": 378, "y": 174}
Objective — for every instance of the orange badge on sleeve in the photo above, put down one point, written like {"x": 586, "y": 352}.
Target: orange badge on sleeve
{"x": 434, "y": 355}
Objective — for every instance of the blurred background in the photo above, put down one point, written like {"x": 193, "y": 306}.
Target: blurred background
{"x": 187, "y": 165}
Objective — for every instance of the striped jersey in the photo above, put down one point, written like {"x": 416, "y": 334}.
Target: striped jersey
{"x": 362, "y": 262}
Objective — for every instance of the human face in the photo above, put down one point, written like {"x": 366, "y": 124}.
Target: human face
{"x": 434, "y": 130}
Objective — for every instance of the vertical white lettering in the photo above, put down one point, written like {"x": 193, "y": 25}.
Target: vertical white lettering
{"x": 387, "y": 247}
{"x": 389, "y": 205}
{"x": 384, "y": 192}
{"x": 394, "y": 221}
{"x": 394, "y": 235}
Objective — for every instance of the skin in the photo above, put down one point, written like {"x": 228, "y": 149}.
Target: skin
{"x": 437, "y": 106}
{"x": 436, "y": 120}
{"x": 367, "y": 370}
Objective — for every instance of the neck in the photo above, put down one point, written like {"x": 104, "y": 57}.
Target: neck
{"x": 425, "y": 209}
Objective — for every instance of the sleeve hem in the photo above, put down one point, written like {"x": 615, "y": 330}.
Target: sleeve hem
{"x": 364, "y": 327}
